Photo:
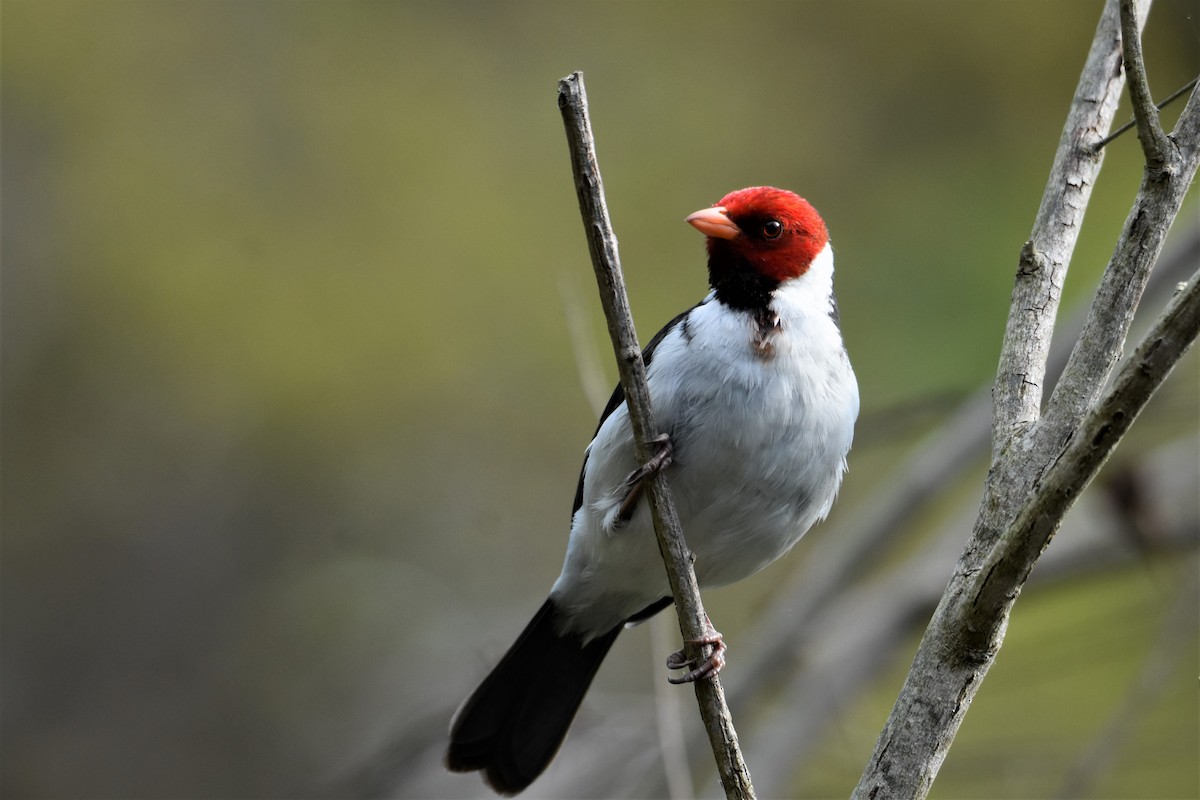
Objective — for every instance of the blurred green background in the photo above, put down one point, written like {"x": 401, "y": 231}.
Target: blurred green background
{"x": 291, "y": 415}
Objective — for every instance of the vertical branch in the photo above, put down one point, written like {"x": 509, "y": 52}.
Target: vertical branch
{"x": 1043, "y": 261}
{"x": 602, "y": 244}
{"x": 1165, "y": 177}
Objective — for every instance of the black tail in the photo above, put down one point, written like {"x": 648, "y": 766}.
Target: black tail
{"x": 514, "y": 723}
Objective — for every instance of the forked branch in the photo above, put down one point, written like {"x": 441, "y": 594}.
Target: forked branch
{"x": 1041, "y": 462}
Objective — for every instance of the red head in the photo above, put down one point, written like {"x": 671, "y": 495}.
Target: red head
{"x": 769, "y": 231}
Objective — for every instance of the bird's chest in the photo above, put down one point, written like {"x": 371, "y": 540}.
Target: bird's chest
{"x": 757, "y": 402}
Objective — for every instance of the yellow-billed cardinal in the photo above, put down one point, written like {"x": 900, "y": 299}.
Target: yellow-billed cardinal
{"x": 755, "y": 393}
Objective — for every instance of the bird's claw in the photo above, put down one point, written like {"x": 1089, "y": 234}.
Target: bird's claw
{"x": 705, "y": 668}
{"x": 656, "y": 463}
{"x": 633, "y": 483}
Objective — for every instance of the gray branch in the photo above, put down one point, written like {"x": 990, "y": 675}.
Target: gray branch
{"x": 1008, "y": 565}
{"x": 1042, "y": 266}
{"x": 1145, "y": 113}
{"x": 602, "y": 244}
{"x": 1039, "y": 466}
{"x": 1103, "y": 338}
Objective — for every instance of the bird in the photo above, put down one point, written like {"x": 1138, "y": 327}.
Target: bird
{"x": 756, "y": 398}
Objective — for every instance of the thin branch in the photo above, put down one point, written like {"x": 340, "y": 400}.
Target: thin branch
{"x": 1166, "y": 101}
{"x": 668, "y": 721}
{"x": 1150, "y": 132}
{"x": 1164, "y": 185}
{"x": 1103, "y": 337}
{"x": 672, "y": 744}
{"x": 602, "y": 244}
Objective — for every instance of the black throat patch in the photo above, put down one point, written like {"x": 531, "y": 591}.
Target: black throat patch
{"x": 741, "y": 287}
{"x": 737, "y": 283}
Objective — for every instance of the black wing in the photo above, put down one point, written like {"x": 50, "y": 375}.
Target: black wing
{"x": 618, "y": 395}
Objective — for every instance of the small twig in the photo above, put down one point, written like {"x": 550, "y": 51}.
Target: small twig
{"x": 602, "y": 244}
{"x": 1150, "y": 133}
{"x": 1171, "y": 98}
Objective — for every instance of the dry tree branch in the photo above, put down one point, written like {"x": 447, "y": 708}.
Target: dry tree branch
{"x": 1158, "y": 200}
{"x": 1040, "y": 464}
{"x": 1042, "y": 268}
{"x": 1145, "y": 113}
{"x": 602, "y": 244}
{"x": 1142, "y": 373}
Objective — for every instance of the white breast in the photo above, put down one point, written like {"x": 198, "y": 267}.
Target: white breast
{"x": 759, "y": 443}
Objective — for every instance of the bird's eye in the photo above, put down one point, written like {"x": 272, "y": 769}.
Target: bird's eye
{"x": 772, "y": 228}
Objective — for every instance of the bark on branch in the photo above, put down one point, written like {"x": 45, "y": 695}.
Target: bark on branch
{"x": 1145, "y": 113}
{"x": 1142, "y": 373}
{"x": 602, "y": 244}
{"x": 1042, "y": 265}
{"x": 1040, "y": 463}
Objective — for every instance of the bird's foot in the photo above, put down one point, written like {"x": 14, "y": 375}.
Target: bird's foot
{"x": 656, "y": 463}
{"x": 633, "y": 483}
{"x": 707, "y": 667}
